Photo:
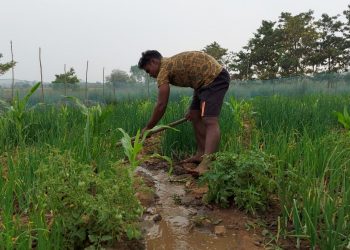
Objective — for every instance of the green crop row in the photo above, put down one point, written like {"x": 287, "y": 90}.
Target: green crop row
{"x": 61, "y": 171}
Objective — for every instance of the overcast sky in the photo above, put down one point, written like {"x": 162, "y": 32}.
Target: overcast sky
{"x": 113, "y": 33}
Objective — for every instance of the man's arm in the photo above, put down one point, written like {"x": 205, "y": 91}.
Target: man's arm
{"x": 159, "y": 109}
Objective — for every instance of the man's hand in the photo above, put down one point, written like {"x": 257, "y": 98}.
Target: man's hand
{"x": 159, "y": 109}
{"x": 144, "y": 130}
{"x": 189, "y": 115}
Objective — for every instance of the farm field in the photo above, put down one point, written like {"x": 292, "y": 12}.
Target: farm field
{"x": 65, "y": 184}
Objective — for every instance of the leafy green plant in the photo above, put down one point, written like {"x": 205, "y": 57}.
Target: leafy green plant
{"x": 93, "y": 208}
{"x": 343, "y": 118}
{"x": 93, "y": 117}
{"x": 241, "y": 110}
{"x": 133, "y": 146}
{"x": 16, "y": 112}
{"x": 247, "y": 178}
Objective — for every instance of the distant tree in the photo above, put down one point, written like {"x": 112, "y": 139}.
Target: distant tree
{"x": 137, "y": 75}
{"x": 332, "y": 43}
{"x": 240, "y": 65}
{"x": 68, "y": 77}
{"x": 216, "y": 51}
{"x": 117, "y": 77}
{"x": 4, "y": 67}
{"x": 299, "y": 36}
{"x": 346, "y": 34}
{"x": 265, "y": 49}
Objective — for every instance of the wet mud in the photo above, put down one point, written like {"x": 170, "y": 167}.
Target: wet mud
{"x": 177, "y": 218}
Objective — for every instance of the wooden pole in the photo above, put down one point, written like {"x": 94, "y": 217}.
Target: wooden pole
{"x": 86, "y": 88}
{"x": 103, "y": 84}
{"x": 13, "y": 75}
{"x": 41, "y": 77}
{"x": 65, "y": 80}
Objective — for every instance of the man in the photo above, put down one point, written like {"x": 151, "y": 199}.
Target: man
{"x": 210, "y": 82}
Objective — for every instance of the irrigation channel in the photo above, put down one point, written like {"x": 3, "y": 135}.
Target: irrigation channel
{"x": 179, "y": 220}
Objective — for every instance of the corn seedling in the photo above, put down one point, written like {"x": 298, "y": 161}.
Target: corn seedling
{"x": 133, "y": 146}
{"x": 343, "y": 118}
{"x": 16, "y": 113}
{"x": 92, "y": 116}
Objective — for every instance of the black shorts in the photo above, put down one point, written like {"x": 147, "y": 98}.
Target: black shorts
{"x": 208, "y": 99}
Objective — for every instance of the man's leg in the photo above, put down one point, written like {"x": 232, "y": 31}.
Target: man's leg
{"x": 212, "y": 98}
{"x": 212, "y": 134}
{"x": 212, "y": 139}
{"x": 199, "y": 133}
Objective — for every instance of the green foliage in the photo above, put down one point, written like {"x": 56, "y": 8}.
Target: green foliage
{"x": 133, "y": 146}
{"x": 245, "y": 177}
{"x": 137, "y": 75}
{"x": 117, "y": 77}
{"x": 67, "y": 78}
{"x": 312, "y": 175}
{"x": 343, "y": 118}
{"x": 241, "y": 110}
{"x": 92, "y": 208}
{"x": 4, "y": 67}
{"x": 215, "y": 50}
{"x": 15, "y": 115}
{"x": 294, "y": 45}
{"x": 94, "y": 117}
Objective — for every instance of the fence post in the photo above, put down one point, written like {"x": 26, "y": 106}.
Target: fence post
{"x": 41, "y": 76}
{"x": 103, "y": 84}
{"x": 65, "y": 80}
{"x": 13, "y": 75}
{"x": 86, "y": 89}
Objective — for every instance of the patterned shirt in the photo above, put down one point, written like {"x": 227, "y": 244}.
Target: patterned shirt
{"x": 188, "y": 69}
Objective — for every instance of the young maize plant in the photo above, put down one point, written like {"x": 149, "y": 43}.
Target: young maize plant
{"x": 16, "y": 113}
{"x": 93, "y": 116}
{"x": 133, "y": 146}
{"x": 344, "y": 118}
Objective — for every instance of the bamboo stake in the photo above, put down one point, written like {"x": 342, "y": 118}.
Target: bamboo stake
{"x": 103, "y": 84}
{"x": 65, "y": 80}
{"x": 86, "y": 90}
{"x": 173, "y": 124}
{"x": 13, "y": 75}
{"x": 41, "y": 76}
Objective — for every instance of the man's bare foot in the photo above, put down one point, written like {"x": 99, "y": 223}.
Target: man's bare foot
{"x": 196, "y": 159}
{"x": 202, "y": 168}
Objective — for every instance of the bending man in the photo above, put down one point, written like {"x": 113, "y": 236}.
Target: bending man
{"x": 210, "y": 82}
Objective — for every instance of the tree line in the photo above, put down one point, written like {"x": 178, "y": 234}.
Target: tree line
{"x": 293, "y": 45}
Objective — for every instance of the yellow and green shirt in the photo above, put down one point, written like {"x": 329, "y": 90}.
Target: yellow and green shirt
{"x": 188, "y": 69}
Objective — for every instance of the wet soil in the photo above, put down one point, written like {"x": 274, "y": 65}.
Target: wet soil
{"x": 177, "y": 218}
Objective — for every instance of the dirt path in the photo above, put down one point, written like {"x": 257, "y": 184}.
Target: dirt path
{"x": 176, "y": 217}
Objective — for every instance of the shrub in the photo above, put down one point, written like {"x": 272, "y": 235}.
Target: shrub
{"x": 245, "y": 177}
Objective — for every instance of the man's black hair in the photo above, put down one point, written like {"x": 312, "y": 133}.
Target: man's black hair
{"x": 147, "y": 56}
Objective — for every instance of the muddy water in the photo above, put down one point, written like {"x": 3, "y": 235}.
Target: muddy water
{"x": 177, "y": 230}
